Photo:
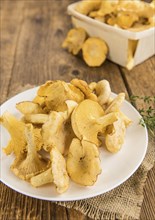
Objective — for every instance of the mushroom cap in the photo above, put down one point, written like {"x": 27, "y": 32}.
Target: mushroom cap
{"x": 126, "y": 19}
{"x": 57, "y": 92}
{"x": 103, "y": 91}
{"x": 94, "y": 51}
{"x": 107, "y": 7}
{"x": 142, "y": 9}
{"x": 28, "y": 107}
{"x": 39, "y": 100}
{"x": 92, "y": 86}
{"x": 84, "y": 123}
{"x": 83, "y": 163}
{"x": 83, "y": 86}
{"x": 84, "y": 7}
{"x": 16, "y": 129}
{"x": 74, "y": 40}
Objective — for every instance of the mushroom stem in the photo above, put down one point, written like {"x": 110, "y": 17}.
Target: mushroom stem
{"x": 42, "y": 178}
{"x": 107, "y": 119}
{"x": 36, "y": 118}
{"x": 116, "y": 103}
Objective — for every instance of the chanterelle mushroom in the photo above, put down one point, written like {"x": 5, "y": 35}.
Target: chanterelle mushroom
{"x": 28, "y": 107}
{"x": 92, "y": 86}
{"x": 16, "y": 129}
{"x": 94, "y": 51}
{"x": 59, "y": 172}
{"x": 88, "y": 120}
{"x": 83, "y": 86}
{"x": 116, "y": 103}
{"x": 36, "y": 118}
{"x": 74, "y": 40}
{"x": 114, "y": 139}
{"x": 39, "y": 100}
{"x": 57, "y": 131}
{"x": 29, "y": 164}
{"x": 57, "y": 92}
{"x": 103, "y": 91}
{"x": 83, "y": 163}
{"x": 42, "y": 178}
{"x": 84, "y": 7}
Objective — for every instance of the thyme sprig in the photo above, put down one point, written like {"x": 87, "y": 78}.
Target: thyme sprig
{"x": 147, "y": 112}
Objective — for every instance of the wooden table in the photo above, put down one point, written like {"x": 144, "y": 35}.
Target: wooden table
{"x": 32, "y": 32}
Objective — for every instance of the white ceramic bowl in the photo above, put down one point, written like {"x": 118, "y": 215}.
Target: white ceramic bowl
{"x": 116, "y": 38}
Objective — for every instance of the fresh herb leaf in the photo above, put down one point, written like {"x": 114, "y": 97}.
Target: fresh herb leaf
{"x": 147, "y": 113}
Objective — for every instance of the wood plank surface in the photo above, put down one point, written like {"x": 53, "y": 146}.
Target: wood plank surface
{"x": 10, "y": 31}
{"x": 31, "y": 36}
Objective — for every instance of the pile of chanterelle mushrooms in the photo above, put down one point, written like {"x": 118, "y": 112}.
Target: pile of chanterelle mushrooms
{"x": 59, "y": 134}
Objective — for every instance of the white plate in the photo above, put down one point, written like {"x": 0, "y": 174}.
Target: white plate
{"x": 116, "y": 168}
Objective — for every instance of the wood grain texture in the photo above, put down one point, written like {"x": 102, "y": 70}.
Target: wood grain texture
{"x": 10, "y": 31}
{"x": 31, "y": 36}
{"x": 148, "y": 206}
{"x": 18, "y": 206}
{"x": 141, "y": 80}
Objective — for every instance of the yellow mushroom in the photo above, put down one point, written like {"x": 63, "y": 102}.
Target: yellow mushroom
{"x": 38, "y": 138}
{"x": 107, "y": 7}
{"x": 74, "y": 40}
{"x": 115, "y": 138}
{"x": 57, "y": 131}
{"x": 16, "y": 129}
{"x": 56, "y": 174}
{"x": 86, "y": 6}
{"x": 83, "y": 86}
{"x": 92, "y": 86}
{"x": 88, "y": 120}
{"x": 83, "y": 163}
{"x": 28, "y": 107}
{"x": 116, "y": 103}
{"x": 59, "y": 172}
{"x": 94, "y": 51}
{"x": 103, "y": 91}
{"x": 111, "y": 20}
{"x": 42, "y": 178}
{"x": 152, "y": 21}
{"x": 127, "y": 121}
{"x": 126, "y": 19}
{"x": 100, "y": 18}
{"x": 36, "y": 118}
{"x": 31, "y": 163}
{"x": 57, "y": 92}
{"x": 39, "y": 100}
{"x": 142, "y": 9}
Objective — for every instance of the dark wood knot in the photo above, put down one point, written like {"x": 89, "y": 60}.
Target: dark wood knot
{"x": 63, "y": 69}
{"x": 58, "y": 32}
{"x": 38, "y": 19}
{"x": 75, "y": 72}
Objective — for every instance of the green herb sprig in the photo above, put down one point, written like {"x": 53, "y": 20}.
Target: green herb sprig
{"x": 147, "y": 113}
